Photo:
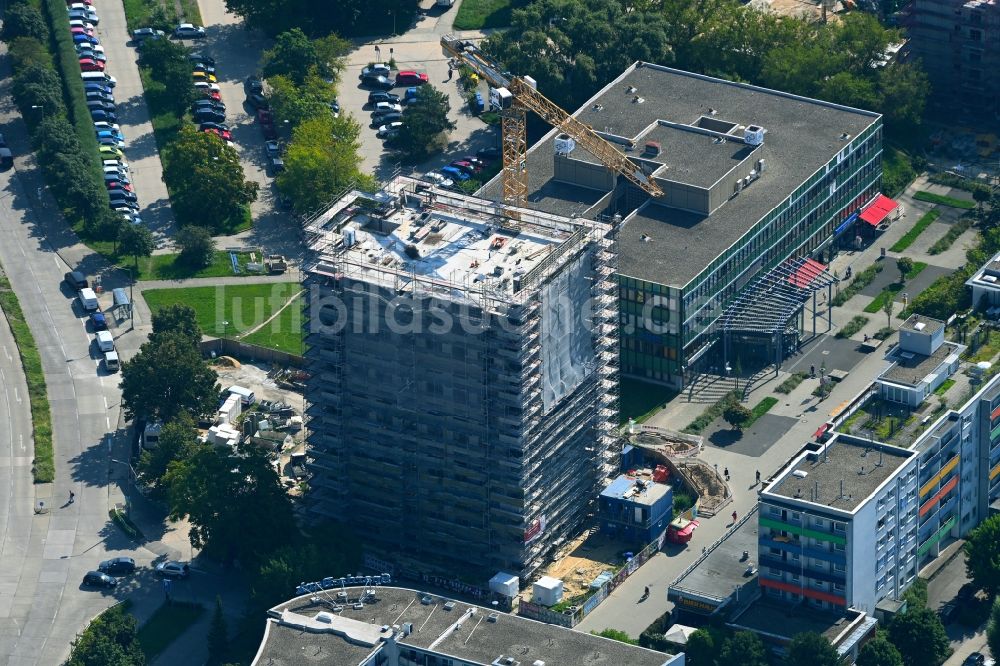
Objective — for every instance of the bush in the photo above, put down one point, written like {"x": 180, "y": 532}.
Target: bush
{"x": 713, "y": 412}
{"x": 790, "y": 383}
{"x": 860, "y": 281}
{"x": 197, "y": 246}
{"x": 942, "y": 200}
{"x": 23, "y": 20}
{"x": 950, "y": 236}
{"x": 850, "y": 328}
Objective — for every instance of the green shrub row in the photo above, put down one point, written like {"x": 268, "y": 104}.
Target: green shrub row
{"x": 850, "y": 328}
{"x": 713, "y": 412}
{"x": 38, "y": 399}
{"x": 127, "y": 526}
{"x": 790, "y": 383}
{"x": 943, "y": 200}
{"x": 907, "y": 240}
{"x": 860, "y": 281}
{"x": 950, "y": 236}
{"x": 958, "y": 182}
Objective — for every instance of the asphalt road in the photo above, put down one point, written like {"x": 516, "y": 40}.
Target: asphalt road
{"x": 133, "y": 116}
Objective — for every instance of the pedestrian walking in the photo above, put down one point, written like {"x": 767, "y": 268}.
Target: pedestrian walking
{"x": 450, "y": 72}
{"x": 758, "y": 477}
{"x": 72, "y": 497}
{"x": 734, "y": 517}
{"x": 726, "y": 473}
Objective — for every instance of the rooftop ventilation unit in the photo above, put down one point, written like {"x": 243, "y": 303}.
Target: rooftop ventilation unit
{"x": 325, "y": 618}
{"x": 565, "y": 144}
{"x": 449, "y": 606}
{"x": 651, "y": 148}
{"x": 919, "y": 326}
{"x": 426, "y": 600}
{"x": 493, "y": 617}
{"x": 753, "y": 135}
{"x": 800, "y": 473}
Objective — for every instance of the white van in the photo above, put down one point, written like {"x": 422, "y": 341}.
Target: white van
{"x": 111, "y": 363}
{"x": 246, "y": 395}
{"x": 105, "y": 341}
{"x": 99, "y": 77}
{"x": 88, "y": 299}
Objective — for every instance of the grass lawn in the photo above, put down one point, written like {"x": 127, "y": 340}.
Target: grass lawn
{"x": 640, "y": 400}
{"x": 945, "y": 385}
{"x": 139, "y": 13}
{"x": 478, "y": 14}
{"x": 166, "y": 267}
{"x": 243, "y": 306}
{"x": 166, "y": 625}
{"x": 760, "y": 409}
{"x": 43, "y": 467}
{"x": 930, "y": 197}
{"x": 951, "y": 235}
{"x": 879, "y": 301}
{"x": 907, "y": 240}
{"x": 284, "y": 332}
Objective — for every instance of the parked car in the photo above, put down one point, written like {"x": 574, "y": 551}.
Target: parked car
{"x": 202, "y": 67}
{"x": 98, "y": 95}
{"x": 207, "y": 86}
{"x": 410, "y": 96}
{"x": 91, "y": 65}
{"x": 110, "y": 178}
{"x": 208, "y": 116}
{"x": 199, "y": 75}
{"x": 115, "y": 185}
{"x": 189, "y": 31}
{"x": 379, "y": 82}
{"x": 379, "y": 96}
{"x": 103, "y": 116}
{"x": 454, "y": 174}
{"x": 272, "y": 148}
{"x": 83, "y": 38}
{"x": 100, "y": 87}
{"x": 390, "y": 130}
{"x": 475, "y": 161}
{"x": 385, "y": 118}
{"x": 199, "y": 56}
{"x": 257, "y": 100}
{"x": 386, "y": 107}
{"x": 215, "y": 105}
{"x": 88, "y": 15}
{"x": 438, "y": 179}
{"x": 488, "y": 154}
{"x": 76, "y": 280}
{"x": 172, "y": 569}
{"x": 100, "y": 104}
{"x": 107, "y": 139}
{"x": 277, "y": 165}
{"x": 117, "y": 565}
{"x": 98, "y": 579}
{"x": 253, "y": 84}
{"x": 378, "y": 69}
{"x": 125, "y": 191}
{"x": 222, "y": 134}
{"x": 409, "y": 78}
{"x": 85, "y": 50}
{"x": 975, "y": 659}
{"x": 215, "y": 126}
{"x": 118, "y": 203}
{"x": 140, "y": 35}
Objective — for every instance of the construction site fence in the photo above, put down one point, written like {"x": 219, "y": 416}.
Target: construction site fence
{"x": 243, "y": 351}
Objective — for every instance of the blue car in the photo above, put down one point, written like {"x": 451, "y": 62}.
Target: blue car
{"x": 410, "y": 96}
{"x": 454, "y": 173}
{"x": 103, "y": 116}
{"x": 85, "y": 39}
{"x": 99, "y": 321}
{"x": 98, "y": 87}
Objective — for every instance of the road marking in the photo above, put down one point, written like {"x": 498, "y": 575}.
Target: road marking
{"x": 105, "y": 398}
{"x": 17, "y": 394}
{"x": 21, "y": 438}
{"x": 107, "y": 420}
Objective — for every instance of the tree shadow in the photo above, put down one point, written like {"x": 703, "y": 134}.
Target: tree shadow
{"x": 725, "y": 437}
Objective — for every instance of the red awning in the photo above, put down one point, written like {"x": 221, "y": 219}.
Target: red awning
{"x": 877, "y": 210}
{"x": 806, "y": 273}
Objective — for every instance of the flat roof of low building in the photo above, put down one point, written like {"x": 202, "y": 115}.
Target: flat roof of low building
{"x": 802, "y": 136}
{"x": 988, "y": 276}
{"x": 636, "y": 491}
{"x": 912, "y": 369}
{"x": 841, "y": 473}
{"x": 921, "y": 324}
{"x": 787, "y": 620}
{"x": 295, "y": 637}
{"x": 721, "y": 570}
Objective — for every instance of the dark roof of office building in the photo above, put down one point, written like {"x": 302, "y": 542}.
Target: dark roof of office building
{"x": 910, "y": 368}
{"x": 802, "y": 136}
{"x": 787, "y": 620}
{"x": 845, "y": 474}
{"x": 478, "y": 640}
{"x": 722, "y": 570}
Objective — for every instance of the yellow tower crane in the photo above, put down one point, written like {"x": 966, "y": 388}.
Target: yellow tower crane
{"x": 515, "y": 96}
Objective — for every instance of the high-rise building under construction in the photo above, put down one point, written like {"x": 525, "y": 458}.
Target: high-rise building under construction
{"x": 463, "y": 375}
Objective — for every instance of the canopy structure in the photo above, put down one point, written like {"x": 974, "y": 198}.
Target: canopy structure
{"x": 763, "y": 316}
{"x": 879, "y": 209}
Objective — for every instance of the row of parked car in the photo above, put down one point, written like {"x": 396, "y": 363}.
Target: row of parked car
{"x": 463, "y": 169}
{"x": 124, "y": 566}
{"x": 386, "y": 107}
{"x": 98, "y": 88}
{"x": 104, "y": 341}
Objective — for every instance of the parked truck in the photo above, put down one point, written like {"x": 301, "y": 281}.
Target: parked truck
{"x": 275, "y": 263}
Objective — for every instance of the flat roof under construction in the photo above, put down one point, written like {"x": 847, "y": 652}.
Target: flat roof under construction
{"x": 459, "y": 241}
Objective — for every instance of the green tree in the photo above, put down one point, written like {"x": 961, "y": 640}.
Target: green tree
{"x": 136, "y": 241}
{"x": 294, "y": 56}
{"x": 296, "y": 103}
{"x": 887, "y": 307}
{"x": 166, "y": 378}
{"x": 197, "y": 246}
{"x": 879, "y": 652}
{"x": 54, "y": 135}
{"x": 616, "y": 635}
{"x": 982, "y": 555}
{"x": 23, "y": 20}
{"x": 352, "y": 17}
{"x": 320, "y": 161}
{"x": 702, "y": 648}
{"x": 993, "y": 628}
{"x": 217, "y": 490}
{"x": 811, "y": 649}
{"x": 25, "y": 51}
{"x": 206, "y": 181}
{"x": 744, "y": 648}
{"x": 109, "y": 640}
{"x": 737, "y": 416}
{"x": 916, "y": 595}
{"x": 425, "y": 124}
{"x": 218, "y": 636}
{"x": 176, "y": 318}
{"x": 905, "y": 266}
{"x": 178, "y": 438}
{"x": 920, "y": 638}
{"x": 168, "y": 63}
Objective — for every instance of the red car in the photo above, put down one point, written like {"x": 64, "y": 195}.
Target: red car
{"x": 73, "y": 2}
{"x": 91, "y": 65}
{"x": 82, "y": 31}
{"x": 227, "y": 136}
{"x": 410, "y": 78}
{"x": 117, "y": 185}
{"x": 467, "y": 167}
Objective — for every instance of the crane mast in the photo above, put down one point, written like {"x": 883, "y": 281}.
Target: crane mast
{"x": 517, "y": 95}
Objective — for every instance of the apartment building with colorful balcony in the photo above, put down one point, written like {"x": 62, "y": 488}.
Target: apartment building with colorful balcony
{"x": 837, "y": 525}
